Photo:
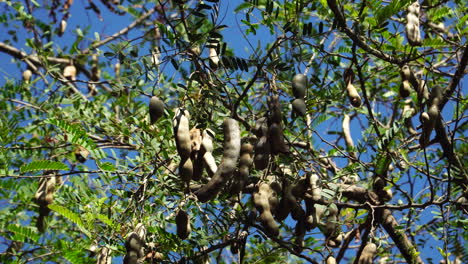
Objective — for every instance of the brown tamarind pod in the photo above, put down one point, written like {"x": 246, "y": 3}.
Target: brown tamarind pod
{"x": 276, "y": 138}
{"x": 207, "y": 149}
{"x": 299, "y": 85}
{"x": 197, "y": 153}
{"x": 156, "y": 109}
{"x": 261, "y": 201}
{"x": 413, "y": 33}
{"x": 315, "y": 216}
{"x": 43, "y": 197}
{"x": 104, "y": 256}
{"x": 300, "y": 188}
{"x": 245, "y": 163}
{"x": 262, "y": 153}
{"x": 408, "y": 75}
{"x": 186, "y": 169}
{"x": 405, "y": 89}
{"x": 299, "y": 107}
{"x": 81, "y": 154}
{"x": 131, "y": 258}
{"x": 133, "y": 242}
{"x": 353, "y": 95}
{"x": 183, "y": 224}
{"x": 261, "y": 127}
{"x": 299, "y": 233}
{"x": 368, "y": 254}
{"x": 27, "y": 74}
{"x": 330, "y": 260}
{"x": 182, "y": 132}
{"x": 348, "y": 76}
{"x": 69, "y": 72}
{"x": 231, "y": 153}
{"x": 275, "y": 109}
{"x": 314, "y": 188}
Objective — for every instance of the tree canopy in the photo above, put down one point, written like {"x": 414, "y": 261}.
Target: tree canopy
{"x": 257, "y": 131}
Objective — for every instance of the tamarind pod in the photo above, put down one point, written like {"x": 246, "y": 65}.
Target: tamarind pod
{"x": 347, "y": 136}
{"x": 414, "y": 8}
{"x": 140, "y": 230}
{"x": 261, "y": 201}
{"x": 133, "y": 242}
{"x": 210, "y": 163}
{"x": 299, "y": 85}
{"x": 195, "y": 139}
{"x": 262, "y": 153}
{"x": 182, "y": 133}
{"x": 299, "y": 232}
{"x": 214, "y": 59}
{"x": 368, "y": 254}
{"x": 300, "y": 188}
{"x": 275, "y": 109}
{"x": 245, "y": 163}
{"x": 276, "y": 139}
{"x": 104, "y": 256}
{"x": 69, "y": 72}
{"x": 353, "y": 95}
{"x": 299, "y": 107}
{"x": 27, "y": 74}
{"x": 283, "y": 209}
{"x": 273, "y": 200}
{"x": 348, "y": 76}
{"x": 207, "y": 140}
{"x": 232, "y": 144}
{"x": 408, "y": 75}
{"x": 156, "y": 109}
{"x": 186, "y": 169}
{"x": 131, "y": 257}
{"x": 261, "y": 127}
{"x": 405, "y": 89}
{"x": 330, "y": 260}
{"x": 423, "y": 93}
{"x": 183, "y": 224}
{"x": 335, "y": 242}
{"x": 198, "y": 165}
{"x": 413, "y": 33}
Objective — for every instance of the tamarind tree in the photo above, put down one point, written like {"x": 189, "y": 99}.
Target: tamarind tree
{"x": 259, "y": 131}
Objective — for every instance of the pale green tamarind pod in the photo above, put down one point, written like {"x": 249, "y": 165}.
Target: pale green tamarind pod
{"x": 231, "y": 152}
{"x": 156, "y": 109}
{"x": 183, "y": 224}
{"x": 261, "y": 201}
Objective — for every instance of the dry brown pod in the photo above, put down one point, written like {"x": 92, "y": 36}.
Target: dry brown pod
{"x": 43, "y": 197}
{"x": 299, "y": 233}
{"x": 368, "y": 254}
{"x": 413, "y": 33}
{"x": 299, "y": 85}
{"x": 262, "y": 147}
{"x": 207, "y": 149}
{"x": 275, "y": 109}
{"x": 214, "y": 59}
{"x": 353, "y": 95}
{"x": 27, "y": 74}
{"x": 156, "y": 109}
{"x": 245, "y": 163}
{"x": 231, "y": 153}
{"x": 276, "y": 138}
{"x": 330, "y": 260}
{"x": 261, "y": 201}
{"x": 405, "y": 89}
{"x": 69, "y": 72}
{"x": 182, "y": 132}
{"x": 81, "y": 154}
{"x": 104, "y": 256}
{"x": 183, "y": 224}
{"x": 299, "y": 107}
{"x": 186, "y": 169}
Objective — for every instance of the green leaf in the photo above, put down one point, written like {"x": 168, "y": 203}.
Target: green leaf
{"x": 43, "y": 165}
{"x": 23, "y": 233}
{"x": 70, "y": 216}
